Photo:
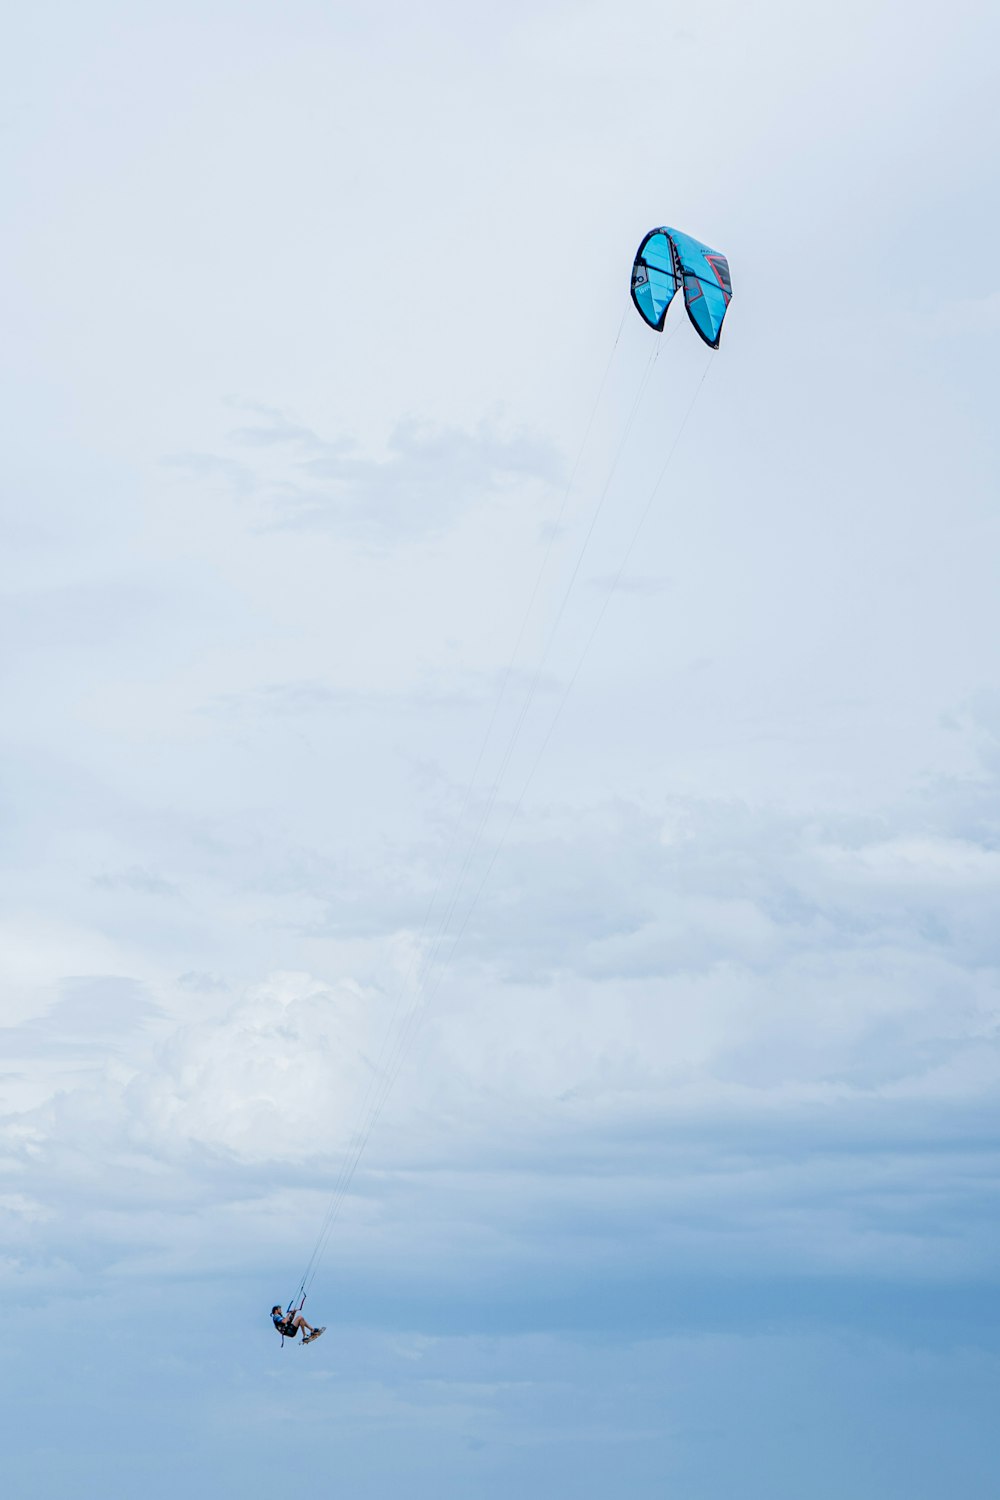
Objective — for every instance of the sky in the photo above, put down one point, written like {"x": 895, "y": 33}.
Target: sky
{"x": 435, "y": 703}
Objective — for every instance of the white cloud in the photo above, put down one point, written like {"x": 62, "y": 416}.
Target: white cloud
{"x": 711, "y": 974}
{"x": 421, "y": 484}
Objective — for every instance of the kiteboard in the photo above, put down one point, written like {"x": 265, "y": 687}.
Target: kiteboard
{"x": 314, "y": 1335}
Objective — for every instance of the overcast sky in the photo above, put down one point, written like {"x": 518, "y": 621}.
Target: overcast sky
{"x": 318, "y": 367}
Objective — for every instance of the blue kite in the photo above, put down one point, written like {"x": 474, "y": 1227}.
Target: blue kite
{"x": 667, "y": 259}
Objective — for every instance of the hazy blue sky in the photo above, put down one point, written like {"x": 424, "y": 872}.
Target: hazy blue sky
{"x": 688, "y": 1186}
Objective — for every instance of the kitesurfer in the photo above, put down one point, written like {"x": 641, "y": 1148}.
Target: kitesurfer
{"x": 288, "y": 1324}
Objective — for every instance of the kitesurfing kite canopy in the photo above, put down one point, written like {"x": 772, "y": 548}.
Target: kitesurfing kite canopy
{"x": 667, "y": 259}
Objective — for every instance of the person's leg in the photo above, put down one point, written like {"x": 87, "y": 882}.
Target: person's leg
{"x": 300, "y": 1322}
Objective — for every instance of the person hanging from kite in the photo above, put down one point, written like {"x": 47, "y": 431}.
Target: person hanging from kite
{"x": 288, "y": 1324}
